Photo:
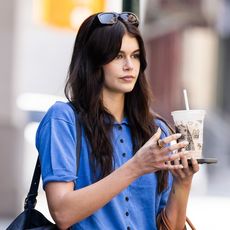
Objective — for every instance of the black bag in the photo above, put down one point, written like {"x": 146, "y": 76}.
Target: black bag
{"x": 31, "y": 218}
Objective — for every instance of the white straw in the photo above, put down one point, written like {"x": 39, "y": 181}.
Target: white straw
{"x": 186, "y": 99}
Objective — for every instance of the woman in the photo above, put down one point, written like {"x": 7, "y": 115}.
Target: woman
{"x": 127, "y": 176}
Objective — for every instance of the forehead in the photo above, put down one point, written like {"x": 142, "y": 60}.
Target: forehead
{"x": 129, "y": 43}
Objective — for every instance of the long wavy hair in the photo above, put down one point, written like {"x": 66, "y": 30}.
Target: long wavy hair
{"x": 95, "y": 46}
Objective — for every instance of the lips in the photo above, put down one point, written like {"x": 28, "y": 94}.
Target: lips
{"x": 127, "y": 78}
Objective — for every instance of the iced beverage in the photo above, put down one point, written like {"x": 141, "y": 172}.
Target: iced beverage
{"x": 190, "y": 124}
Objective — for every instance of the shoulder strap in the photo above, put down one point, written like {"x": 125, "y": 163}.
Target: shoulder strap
{"x": 31, "y": 200}
{"x": 79, "y": 136}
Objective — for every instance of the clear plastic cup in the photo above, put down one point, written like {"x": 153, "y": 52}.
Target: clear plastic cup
{"x": 190, "y": 124}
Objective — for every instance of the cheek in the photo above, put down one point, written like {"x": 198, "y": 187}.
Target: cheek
{"x": 110, "y": 69}
{"x": 107, "y": 80}
{"x": 109, "y": 77}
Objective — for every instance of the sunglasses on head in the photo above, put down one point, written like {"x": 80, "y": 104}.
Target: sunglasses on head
{"x": 110, "y": 18}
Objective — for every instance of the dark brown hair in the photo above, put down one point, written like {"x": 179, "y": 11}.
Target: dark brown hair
{"x": 95, "y": 46}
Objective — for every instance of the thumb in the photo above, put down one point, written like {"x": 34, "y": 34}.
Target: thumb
{"x": 156, "y": 135}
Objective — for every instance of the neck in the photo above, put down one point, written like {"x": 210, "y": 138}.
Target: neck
{"x": 115, "y": 105}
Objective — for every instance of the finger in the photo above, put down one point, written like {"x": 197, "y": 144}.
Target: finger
{"x": 195, "y": 165}
{"x": 165, "y": 161}
{"x": 176, "y": 161}
{"x": 170, "y": 157}
{"x": 184, "y": 161}
{"x": 173, "y": 166}
{"x": 174, "y": 147}
{"x": 170, "y": 138}
{"x": 155, "y": 137}
{"x": 178, "y": 172}
{"x": 168, "y": 166}
{"x": 188, "y": 154}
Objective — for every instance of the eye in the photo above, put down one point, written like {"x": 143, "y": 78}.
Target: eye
{"x": 136, "y": 55}
{"x": 119, "y": 56}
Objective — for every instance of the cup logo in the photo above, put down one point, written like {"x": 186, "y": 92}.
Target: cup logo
{"x": 185, "y": 136}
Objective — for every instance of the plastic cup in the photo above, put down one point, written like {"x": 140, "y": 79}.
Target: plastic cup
{"x": 190, "y": 124}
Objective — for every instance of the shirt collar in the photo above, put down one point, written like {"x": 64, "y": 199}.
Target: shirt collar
{"x": 123, "y": 122}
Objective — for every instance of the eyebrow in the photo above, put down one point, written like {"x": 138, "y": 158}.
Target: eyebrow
{"x": 135, "y": 51}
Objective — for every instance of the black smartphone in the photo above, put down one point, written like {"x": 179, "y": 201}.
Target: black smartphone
{"x": 203, "y": 161}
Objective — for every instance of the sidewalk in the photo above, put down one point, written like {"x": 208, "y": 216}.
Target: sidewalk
{"x": 209, "y": 212}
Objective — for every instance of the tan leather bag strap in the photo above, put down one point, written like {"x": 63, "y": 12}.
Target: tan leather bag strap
{"x": 162, "y": 221}
{"x": 190, "y": 224}
{"x": 164, "y": 224}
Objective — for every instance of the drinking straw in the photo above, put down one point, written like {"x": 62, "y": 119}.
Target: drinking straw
{"x": 186, "y": 99}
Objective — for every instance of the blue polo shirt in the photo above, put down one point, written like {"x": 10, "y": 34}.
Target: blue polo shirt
{"x": 135, "y": 208}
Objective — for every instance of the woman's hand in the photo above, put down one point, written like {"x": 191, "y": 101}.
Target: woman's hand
{"x": 184, "y": 176}
{"x": 156, "y": 154}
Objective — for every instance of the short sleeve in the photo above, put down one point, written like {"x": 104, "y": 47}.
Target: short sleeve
{"x": 56, "y": 144}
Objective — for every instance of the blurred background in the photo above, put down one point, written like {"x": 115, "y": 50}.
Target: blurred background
{"x": 188, "y": 46}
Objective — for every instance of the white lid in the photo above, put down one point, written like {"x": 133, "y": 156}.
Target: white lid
{"x": 192, "y": 114}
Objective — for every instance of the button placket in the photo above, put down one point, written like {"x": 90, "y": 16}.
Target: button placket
{"x": 127, "y": 208}
{"x": 121, "y": 140}
{"x": 119, "y": 127}
{"x": 123, "y": 154}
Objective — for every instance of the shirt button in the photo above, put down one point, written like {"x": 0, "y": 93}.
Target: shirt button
{"x": 123, "y": 154}
{"x": 127, "y": 213}
{"x": 126, "y": 198}
{"x": 128, "y": 228}
{"x": 119, "y": 127}
{"x": 121, "y": 140}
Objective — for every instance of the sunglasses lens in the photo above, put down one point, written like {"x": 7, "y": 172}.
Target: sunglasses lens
{"x": 111, "y": 18}
{"x": 107, "y": 18}
{"x": 130, "y": 17}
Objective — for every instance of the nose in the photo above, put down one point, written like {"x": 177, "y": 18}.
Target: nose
{"x": 128, "y": 64}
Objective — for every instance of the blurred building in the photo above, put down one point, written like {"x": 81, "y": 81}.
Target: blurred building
{"x": 179, "y": 34}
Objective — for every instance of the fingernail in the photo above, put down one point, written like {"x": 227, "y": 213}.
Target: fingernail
{"x": 178, "y": 135}
{"x": 185, "y": 142}
{"x": 159, "y": 129}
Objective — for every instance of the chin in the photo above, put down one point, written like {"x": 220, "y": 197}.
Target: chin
{"x": 128, "y": 90}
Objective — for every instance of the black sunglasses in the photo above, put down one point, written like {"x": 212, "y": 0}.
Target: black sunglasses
{"x": 110, "y": 18}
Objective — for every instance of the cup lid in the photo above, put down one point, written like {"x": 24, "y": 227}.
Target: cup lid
{"x": 193, "y": 114}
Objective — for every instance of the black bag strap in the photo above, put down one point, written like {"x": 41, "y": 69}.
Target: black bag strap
{"x": 31, "y": 200}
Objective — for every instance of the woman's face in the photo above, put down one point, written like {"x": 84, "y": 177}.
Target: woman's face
{"x": 121, "y": 73}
